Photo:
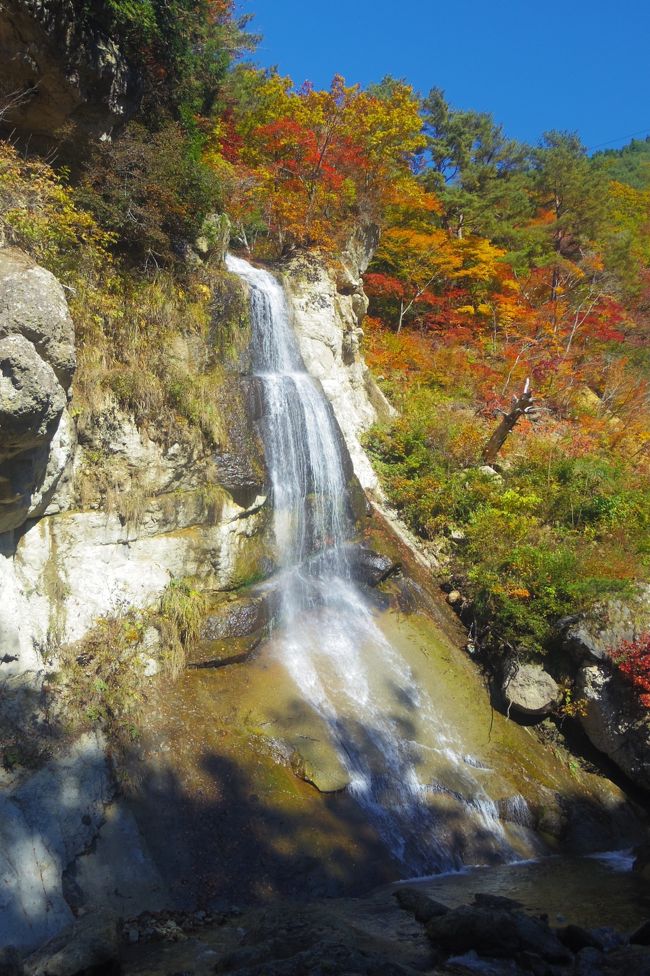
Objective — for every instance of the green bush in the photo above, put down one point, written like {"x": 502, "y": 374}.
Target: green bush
{"x": 149, "y": 191}
{"x": 553, "y": 532}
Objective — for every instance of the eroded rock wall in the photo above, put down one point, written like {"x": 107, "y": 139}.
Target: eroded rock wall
{"x": 97, "y": 518}
{"x": 56, "y": 69}
{"x": 328, "y": 305}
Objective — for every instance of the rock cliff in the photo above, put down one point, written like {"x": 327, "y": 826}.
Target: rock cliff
{"x": 72, "y": 554}
{"x": 56, "y": 69}
{"x": 328, "y": 305}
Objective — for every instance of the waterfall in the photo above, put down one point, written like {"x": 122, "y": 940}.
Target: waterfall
{"x": 327, "y": 636}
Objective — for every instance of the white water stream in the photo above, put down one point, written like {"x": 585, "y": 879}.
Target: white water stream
{"x": 381, "y": 724}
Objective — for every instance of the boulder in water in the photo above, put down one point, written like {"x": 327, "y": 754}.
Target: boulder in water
{"x": 317, "y": 762}
{"x": 236, "y": 618}
{"x": 370, "y": 567}
{"x": 495, "y": 932}
{"x": 419, "y": 905}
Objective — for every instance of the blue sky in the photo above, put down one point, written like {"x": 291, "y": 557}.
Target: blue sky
{"x": 534, "y": 64}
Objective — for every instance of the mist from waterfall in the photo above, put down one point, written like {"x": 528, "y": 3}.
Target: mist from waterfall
{"x": 327, "y": 635}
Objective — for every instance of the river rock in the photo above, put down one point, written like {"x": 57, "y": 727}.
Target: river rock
{"x": 419, "y": 905}
{"x": 530, "y": 690}
{"x": 629, "y": 960}
{"x": 232, "y": 631}
{"x": 370, "y": 567}
{"x": 615, "y": 721}
{"x": 237, "y": 618}
{"x": 575, "y": 938}
{"x": 495, "y": 932}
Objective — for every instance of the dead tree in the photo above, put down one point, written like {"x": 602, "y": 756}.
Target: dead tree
{"x": 522, "y": 406}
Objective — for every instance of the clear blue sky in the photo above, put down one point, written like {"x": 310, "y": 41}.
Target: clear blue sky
{"x": 582, "y": 65}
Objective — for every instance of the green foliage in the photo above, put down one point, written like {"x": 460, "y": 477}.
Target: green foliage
{"x": 183, "y": 48}
{"x": 151, "y": 193}
{"x": 630, "y": 164}
{"x": 546, "y": 537}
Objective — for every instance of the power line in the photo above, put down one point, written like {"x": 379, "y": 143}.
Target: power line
{"x": 631, "y": 135}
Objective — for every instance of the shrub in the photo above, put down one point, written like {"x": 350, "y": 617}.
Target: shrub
{"x": 182, "y": 609}
{"x": 633, "y": 660}
{"x": 149, "y": 190}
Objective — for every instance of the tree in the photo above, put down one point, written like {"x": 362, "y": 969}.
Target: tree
{"x": 522, "y": 406}
{"x": 480, "y": 175}
{"x": 322, "y": 160}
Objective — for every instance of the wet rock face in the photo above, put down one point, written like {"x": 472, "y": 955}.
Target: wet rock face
{"x": 37, "y": 363}
{"x": 55, "y": 68}
{"x": 328, "y": 305}
{"x": 370, "y": 567}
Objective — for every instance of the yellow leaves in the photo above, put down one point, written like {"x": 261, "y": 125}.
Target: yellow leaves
{"x": 418, "y": 257}
{"x": 480, "y": 259}
{"x": 389, "y": 128}
{"x": 519, "y": 593}
{"x": 38, "y": 212}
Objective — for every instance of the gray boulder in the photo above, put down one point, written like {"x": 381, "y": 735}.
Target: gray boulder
{"x": 33, "y": 304}
{"x": 237, "y": 618}
{"x": 45, "y": 823}
{"x": 530, "y": 690}
{"x": 31, "y": 399}
{"x": 615, "y": 721}
{"x": 37, "y": 362}
{"x": 591, "y": 637}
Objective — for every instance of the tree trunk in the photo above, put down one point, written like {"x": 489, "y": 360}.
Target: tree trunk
{"x": 521, "y": 406}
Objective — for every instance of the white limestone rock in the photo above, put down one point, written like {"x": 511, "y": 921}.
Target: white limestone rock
{"x": 327, "y": 322}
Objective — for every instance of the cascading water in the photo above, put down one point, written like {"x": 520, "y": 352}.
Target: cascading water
{"x": 327, "y": 636}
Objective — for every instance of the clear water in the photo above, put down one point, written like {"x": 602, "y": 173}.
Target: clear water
{"x": 328, "y": 639}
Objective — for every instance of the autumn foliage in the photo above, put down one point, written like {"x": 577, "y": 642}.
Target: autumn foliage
{"x": 497, "y": 264}
{"x": 633, "y": 660}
